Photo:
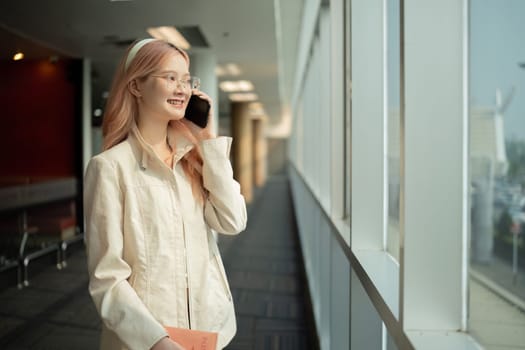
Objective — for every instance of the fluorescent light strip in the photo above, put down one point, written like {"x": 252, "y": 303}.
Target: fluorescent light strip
{"x": 228, "y": 69}
{"x": 240, "y": 85}
{"x": 243, "y": 97}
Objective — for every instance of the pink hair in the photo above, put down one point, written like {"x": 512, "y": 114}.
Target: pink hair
{"x": 122, "y": 109}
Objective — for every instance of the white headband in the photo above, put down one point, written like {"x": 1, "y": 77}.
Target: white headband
{"x": 135, "y": 49}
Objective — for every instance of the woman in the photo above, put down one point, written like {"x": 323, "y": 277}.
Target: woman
{"x": 152, "y": 199}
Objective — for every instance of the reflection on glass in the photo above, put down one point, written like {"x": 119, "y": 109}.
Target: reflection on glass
{"x": 393, "y": 121}
{"x": 497, "y": 172}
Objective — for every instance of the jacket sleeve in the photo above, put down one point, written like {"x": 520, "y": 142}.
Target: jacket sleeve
{"x": 225, "y": 209}
{"x": 120, "y": 308}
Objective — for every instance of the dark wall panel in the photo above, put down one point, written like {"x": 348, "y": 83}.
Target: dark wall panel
{"x": 37, "y": 118}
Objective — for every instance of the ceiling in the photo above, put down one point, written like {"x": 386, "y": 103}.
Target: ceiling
{"x": 238, "y": 31}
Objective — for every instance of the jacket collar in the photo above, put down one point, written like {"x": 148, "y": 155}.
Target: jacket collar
{"x": 176, "y": 140}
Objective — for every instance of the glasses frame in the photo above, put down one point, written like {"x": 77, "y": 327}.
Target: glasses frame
{"x": 190, "y": 83}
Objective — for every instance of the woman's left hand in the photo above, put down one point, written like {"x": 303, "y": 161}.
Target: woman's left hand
{"x": 206, "y": 132}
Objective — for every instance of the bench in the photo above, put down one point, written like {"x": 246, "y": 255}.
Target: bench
{"x": 38, "y": 218}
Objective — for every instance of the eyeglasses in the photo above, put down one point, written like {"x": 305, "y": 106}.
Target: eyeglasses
{"x": 185, "y": 83}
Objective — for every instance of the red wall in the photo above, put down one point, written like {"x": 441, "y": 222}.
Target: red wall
{"x": 37, "y": 127}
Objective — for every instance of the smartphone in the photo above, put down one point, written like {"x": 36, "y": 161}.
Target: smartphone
{"x": 197, "y": 111}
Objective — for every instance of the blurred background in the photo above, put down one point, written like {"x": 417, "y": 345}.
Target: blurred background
{"x": 380, "y": 145}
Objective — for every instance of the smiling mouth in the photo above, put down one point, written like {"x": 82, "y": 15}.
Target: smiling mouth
{"x": 176, "y": 102}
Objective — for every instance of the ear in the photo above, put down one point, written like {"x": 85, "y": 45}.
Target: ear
{"x": 134, "y": 88}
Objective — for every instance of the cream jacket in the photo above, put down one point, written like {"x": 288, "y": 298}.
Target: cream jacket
{"x": 152, "y": 257}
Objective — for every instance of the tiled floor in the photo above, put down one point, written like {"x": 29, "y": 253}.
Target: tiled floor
{"x": 264, "y": 269}
{"x": 54, "y": 312}
{"x": 265, "y": 272}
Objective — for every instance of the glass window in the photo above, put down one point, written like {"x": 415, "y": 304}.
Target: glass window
{"x": 393, "y": 122}
{"x": 497, "y": 172}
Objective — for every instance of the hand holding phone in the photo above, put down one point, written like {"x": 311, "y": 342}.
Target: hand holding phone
{"x": 197, "y": 111}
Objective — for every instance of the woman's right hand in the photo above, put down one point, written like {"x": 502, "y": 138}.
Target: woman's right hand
{"x": 167, "y": 344}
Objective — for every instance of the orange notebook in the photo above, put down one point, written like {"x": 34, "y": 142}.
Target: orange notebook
{"x": 192, "y": 339}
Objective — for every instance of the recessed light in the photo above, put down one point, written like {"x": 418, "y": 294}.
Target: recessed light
{"x": 18, "y": 56}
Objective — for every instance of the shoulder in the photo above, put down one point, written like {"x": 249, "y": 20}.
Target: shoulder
{"x": 117, "y": 152}
{"x": 116, "y": 155}
{"x": 114, "y": 158}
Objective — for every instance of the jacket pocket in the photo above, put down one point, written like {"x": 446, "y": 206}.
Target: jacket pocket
{"x": 222, "y": 273}
{"x": 218, "y": 303}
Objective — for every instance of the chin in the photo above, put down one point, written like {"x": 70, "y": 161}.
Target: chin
{"x": 178, "y": 115}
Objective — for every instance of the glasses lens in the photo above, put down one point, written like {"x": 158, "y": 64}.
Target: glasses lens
{"x": 195, "y": 83}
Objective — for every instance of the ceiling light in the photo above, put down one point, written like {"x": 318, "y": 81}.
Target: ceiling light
{"x": 243, "y": 97}
{"x": 228, "y": 69}
{"x": 233, "y": 69}
{"x": 219, "y": 71}
{"x": 245, "y": 85}
{"x": 228, "y": 86}
{"x": 171, "y": 35}
{"x": 18, "y": 56}
{"x": 240, "y": 85}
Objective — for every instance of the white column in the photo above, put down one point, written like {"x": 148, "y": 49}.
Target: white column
{"x": 337, "y": 104}
{"x": 434, "y": 266}
{"x": 87, "y": 111}
{"x": 367, "y": 124}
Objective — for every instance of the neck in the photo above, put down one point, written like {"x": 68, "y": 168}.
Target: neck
{"x": 154, "y": 132}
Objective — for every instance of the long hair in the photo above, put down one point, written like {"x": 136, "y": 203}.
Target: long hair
{"x": 122, "y": 107}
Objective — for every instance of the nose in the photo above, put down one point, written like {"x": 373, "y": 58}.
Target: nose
{"x": 179, "y": 85}
{"x": 179, "y": 88}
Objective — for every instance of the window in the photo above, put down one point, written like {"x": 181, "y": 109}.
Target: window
{"x": 392, "y": 126}
{"x": 497, "y": 172}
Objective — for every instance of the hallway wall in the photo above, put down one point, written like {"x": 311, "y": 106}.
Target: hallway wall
{"x": 39, "y": 104}
{"x": 376, "y": 281}
{"x": 317, "y": 163}
{"x": 277, "y": 156}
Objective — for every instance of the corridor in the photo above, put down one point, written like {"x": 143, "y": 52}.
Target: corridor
{"x": 264, "y": 268}
{"x": 380, "y": 145}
